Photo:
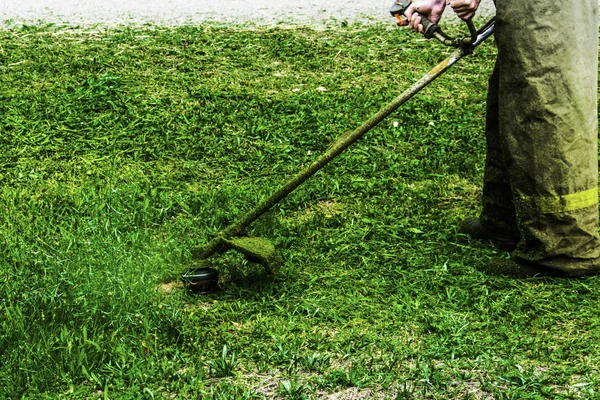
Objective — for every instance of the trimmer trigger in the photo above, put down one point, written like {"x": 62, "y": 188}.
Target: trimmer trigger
{"x": 400, "y": 21}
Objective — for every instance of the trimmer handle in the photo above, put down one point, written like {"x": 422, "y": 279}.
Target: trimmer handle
{"x": 430, "y": 29}
{"x": 397, "y": 11}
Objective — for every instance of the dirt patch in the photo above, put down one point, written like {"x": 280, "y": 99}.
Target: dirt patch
{"x": 167, "y": 288}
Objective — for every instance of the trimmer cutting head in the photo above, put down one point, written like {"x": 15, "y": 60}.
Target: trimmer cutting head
{"x": 257, "y": 250}
{"x": 201, "y": 280}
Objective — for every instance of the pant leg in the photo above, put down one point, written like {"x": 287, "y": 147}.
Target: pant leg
{"x": 498, "y": 212}
{"x": 548, "y": 65}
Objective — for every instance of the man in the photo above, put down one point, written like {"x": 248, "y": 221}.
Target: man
{"x": 540, "y": 193}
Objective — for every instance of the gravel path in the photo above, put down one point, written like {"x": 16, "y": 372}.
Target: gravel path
{"x": 88, "y": 13}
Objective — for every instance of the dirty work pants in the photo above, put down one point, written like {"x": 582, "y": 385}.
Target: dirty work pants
{"x": 541, "y": 173}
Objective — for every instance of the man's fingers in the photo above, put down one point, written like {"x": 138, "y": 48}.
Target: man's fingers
{"x": 414, "y": 19}
{"x": 466, "y": 16}
{"x": 463, "y": 5}
{"x": 423, "y": 7}
{"x": 465, "y": 9}
{"x": 412, "y": 8}
{"x": 415, "y": 23}
{"x": 419, "y": 9}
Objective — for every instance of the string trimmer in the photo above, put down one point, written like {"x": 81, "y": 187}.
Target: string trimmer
{"x": 261, "y": 250}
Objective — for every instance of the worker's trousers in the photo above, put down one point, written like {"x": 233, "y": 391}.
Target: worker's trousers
{"x": 541, "y": 172}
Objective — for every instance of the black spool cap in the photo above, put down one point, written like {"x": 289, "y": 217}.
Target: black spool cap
{"x": 201, "y": 280}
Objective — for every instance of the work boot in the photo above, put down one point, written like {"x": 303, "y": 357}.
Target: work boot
{"x": 476, "y": 230}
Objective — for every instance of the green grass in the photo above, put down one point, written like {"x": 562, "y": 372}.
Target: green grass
{"x": 122, "y": 149}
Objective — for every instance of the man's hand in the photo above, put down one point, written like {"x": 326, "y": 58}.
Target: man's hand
{"x": 431, "y": 9}
{"x": 465, "y": 9}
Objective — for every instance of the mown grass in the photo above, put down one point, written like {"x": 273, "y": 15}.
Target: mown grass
{"x": 123, "y": 149}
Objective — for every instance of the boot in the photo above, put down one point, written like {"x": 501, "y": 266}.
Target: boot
{"x": 476, "y": 230}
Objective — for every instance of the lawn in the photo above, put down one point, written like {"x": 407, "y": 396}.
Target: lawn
{"x": 123, "y": 149}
